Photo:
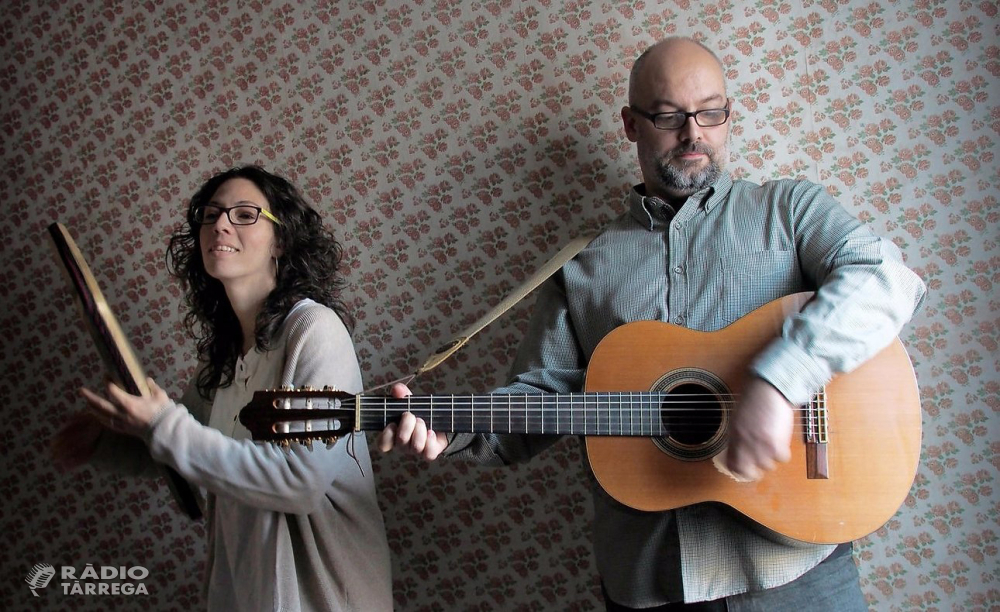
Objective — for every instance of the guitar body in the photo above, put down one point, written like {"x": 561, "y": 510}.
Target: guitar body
{"x": 874, "y": 429}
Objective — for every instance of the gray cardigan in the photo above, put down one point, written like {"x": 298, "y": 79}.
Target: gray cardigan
{"x": 289, "y": 529}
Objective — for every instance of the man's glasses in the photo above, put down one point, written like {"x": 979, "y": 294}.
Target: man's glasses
{"x": 709, "y": 117}
{"x": 244, "y": 214}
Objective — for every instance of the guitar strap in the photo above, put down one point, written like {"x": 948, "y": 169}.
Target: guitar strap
{"x": 448, "y": 349}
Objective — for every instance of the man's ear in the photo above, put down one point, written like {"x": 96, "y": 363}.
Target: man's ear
{"x": 628, "y": 120}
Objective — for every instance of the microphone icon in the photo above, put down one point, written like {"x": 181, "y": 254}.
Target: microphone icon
{"x": 39, "y": 577}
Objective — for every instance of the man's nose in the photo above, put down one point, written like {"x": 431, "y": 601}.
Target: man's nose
{"x": 690, "y": 131}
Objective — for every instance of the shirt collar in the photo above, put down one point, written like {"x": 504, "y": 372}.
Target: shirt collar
{"x": 652, "y": 211}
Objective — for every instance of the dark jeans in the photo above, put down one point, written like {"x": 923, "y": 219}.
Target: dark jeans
{"x": 831, "y": 586}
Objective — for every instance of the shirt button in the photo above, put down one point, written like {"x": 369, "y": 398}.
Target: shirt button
{"x": 678, "y": 225}
{"x": 678, "y": 269}
{"x": 679, "y": 319}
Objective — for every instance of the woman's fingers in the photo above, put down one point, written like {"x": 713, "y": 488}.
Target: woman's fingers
{"x": 124, "y": 412}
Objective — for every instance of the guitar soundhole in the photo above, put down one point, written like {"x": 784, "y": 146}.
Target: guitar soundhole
{"x": 691, "y": 415}
{"x": 694, "y": 414}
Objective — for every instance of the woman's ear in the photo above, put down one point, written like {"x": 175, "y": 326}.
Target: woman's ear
{"x": 277, "y": 248}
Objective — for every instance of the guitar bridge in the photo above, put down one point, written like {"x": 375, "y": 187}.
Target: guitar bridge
{"x": 816, "y": 434}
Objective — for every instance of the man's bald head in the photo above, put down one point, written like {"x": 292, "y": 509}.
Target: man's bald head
{"x": 677, "y": 48}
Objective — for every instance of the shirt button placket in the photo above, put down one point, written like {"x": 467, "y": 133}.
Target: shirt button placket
{"x": 678, "y": 288}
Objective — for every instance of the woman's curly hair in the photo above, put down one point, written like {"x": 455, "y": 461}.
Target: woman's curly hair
{"x": 309, "y": 267}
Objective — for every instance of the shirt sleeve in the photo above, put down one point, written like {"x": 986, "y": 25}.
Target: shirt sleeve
{"x": 865, "y": 295}
{"x": 549, "y": 360}
{"x": 264, "y": 475}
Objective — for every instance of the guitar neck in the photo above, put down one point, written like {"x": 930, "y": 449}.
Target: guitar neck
{"x": 588, "y": 414}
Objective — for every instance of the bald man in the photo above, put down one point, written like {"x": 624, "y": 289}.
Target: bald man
{"x": 699, "y": 249}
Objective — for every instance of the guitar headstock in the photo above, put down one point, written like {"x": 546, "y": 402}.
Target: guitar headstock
{"x": 299, "y": 415}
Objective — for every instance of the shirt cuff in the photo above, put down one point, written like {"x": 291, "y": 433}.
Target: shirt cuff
{"x": 457, "y": 442}
{"x": 791, "y": 371}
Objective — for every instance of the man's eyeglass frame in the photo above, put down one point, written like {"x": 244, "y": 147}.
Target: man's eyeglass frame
{"x": 686, "y": 115}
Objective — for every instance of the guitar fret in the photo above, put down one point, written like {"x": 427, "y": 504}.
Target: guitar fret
{"x": 648, "y": 421}
{"x": 631, "y": 417}
{"x": 640, "y": 418}
{"x": 598, "y": 430}
{"x": 621, "y": 415}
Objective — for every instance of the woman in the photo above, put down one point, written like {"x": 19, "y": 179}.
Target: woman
{"x": 289, "y": 529}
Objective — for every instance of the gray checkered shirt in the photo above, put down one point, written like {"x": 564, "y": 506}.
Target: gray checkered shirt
{"x": 729, "y": 249}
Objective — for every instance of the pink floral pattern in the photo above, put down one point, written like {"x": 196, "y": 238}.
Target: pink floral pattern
{"x": 454, "y": 147}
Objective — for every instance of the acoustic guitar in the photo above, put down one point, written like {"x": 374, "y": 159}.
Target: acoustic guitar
{"x": 655, "y": 414}
{"x": 116, "y": 351}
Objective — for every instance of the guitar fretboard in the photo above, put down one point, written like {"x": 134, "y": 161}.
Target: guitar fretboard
{"x": 587, "y": 414}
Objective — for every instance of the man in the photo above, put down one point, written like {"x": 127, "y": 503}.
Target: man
{"x": 701, "y": 250}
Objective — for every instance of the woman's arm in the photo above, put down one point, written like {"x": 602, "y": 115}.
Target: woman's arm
{"x": 319, "y": 352}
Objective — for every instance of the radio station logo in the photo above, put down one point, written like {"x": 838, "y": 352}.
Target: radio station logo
{"x": 90, "y": 580}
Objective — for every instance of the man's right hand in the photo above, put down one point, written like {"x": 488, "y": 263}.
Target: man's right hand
{"x": 410, "y": 435}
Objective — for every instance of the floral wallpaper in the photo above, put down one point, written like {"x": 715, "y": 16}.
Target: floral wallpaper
{"x": 454, "y": 147}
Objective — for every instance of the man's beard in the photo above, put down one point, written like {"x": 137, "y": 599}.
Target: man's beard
{"x": 682, "y": 181}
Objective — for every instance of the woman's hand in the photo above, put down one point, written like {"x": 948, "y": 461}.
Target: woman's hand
{"x": 123, "y": 412}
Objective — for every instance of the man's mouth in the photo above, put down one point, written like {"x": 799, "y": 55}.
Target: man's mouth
{"x": 692, "y": 152}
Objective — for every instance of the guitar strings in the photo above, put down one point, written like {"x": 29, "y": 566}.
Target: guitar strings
{"x": 642, "y": 410}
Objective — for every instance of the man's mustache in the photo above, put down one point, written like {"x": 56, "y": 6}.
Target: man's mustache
{"x": 697, "y": 147}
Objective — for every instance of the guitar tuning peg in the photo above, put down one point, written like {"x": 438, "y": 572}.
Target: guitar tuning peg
{"x": 287, "y": 388}
{"x": 309, "y": 443}
{"x": 283, "y": 444}
{"x": 329, "y": 389}
{"x": 307, "y": 388}
{"x": 330, "y": 441}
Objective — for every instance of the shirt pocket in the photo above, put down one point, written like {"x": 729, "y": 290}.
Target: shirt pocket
{"x": 753, "y": 279}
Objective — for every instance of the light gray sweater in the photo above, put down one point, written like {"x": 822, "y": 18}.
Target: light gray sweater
{"x": 289, "y": 529}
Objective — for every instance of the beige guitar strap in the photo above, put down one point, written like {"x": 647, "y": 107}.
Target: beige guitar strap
{"x": 447, "y": 350}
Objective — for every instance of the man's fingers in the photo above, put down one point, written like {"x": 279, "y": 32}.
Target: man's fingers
{"x": 386, "y": 437}
{"x": 435, "y": 444}
{"x": 418, "y": 440}
{"x": 411, "y": 435}
{"x": 783, "y": 455}
{"x": 404, "y": 429}
{"x": 399, "y": 390}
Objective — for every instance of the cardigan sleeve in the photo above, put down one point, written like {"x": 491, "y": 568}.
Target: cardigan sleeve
{"x": 264, "y": 475}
